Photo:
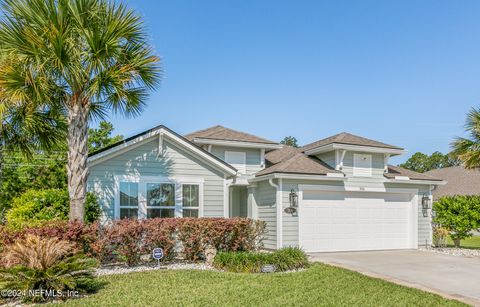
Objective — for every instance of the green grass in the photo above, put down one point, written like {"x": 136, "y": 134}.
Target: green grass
{"x": 319, "y": 285}
{"x": 472, "y": 242}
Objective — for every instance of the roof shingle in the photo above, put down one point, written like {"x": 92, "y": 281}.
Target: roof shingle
{"x": 292, "y": 161}
{"x": 460, "y": 181}
{"x": 222, "y": 133}
{"x": 349, "y": 139}
{"x": 398, "y": 171}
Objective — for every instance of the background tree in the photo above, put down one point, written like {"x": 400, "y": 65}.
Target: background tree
{"x": 468, "y": 149}
{"x": 86, "y": 57}
{"x": 23, "y": 133}
{"x": 290, "y": 141}
{"x": 102, "y": 136}
{"x": 460, "y": 215}
{"x": 420, "y": 162}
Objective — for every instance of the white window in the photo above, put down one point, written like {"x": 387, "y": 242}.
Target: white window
{"x": 237, "y": 159}
{"x": 152, "y": 197}
{"x": 128, "y": 200}
{"x": 190, "y": 200}
{"x": 160, "y": 200}
{"x": 362, "y": 165}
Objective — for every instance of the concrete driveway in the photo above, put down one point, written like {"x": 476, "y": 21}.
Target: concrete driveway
{"x": 450, "y": 276}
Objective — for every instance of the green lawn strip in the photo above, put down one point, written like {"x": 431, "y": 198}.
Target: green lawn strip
{"x": 472, "y": 242}
{"x": 319, "y": 285}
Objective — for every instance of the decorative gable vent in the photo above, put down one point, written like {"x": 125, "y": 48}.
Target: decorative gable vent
{"x": 362, "y": 165}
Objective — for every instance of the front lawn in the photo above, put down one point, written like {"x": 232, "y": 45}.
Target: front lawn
{"x": 319, "y": 285}
{"x": 472, "y": 242}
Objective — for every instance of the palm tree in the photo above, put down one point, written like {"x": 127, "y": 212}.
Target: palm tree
{"x": 468, "y": 149}
{"x": 83, "y": 57}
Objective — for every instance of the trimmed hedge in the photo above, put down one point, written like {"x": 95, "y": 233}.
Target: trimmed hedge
{"x": 129, "y": 239}
{"x": 288, "y": 258}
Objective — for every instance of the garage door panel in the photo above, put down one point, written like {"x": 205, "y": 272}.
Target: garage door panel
{"x": 347, "y": 221}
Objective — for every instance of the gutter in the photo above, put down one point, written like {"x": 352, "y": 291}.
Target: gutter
{"x": 278, "y": 203}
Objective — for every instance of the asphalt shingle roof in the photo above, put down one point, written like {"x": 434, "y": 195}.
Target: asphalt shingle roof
{"x": 398, "y": 171}
{"x": 293, "y": 161}
{"x": 460, "y": 181}
{"x": 349, "y": 139}
{"x": 223, "y": 133}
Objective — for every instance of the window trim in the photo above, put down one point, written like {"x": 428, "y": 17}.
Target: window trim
{"x": 200, "y": 199}
{"x": 174, "y": 207}
{"x": 142, "y": 193}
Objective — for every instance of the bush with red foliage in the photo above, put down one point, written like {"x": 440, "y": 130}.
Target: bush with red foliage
{"x": 127, "y": 240}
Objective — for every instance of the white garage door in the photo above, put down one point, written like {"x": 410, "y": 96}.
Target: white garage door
{"x": 354, "y": 221}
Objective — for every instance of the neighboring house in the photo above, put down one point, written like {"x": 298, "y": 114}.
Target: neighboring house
{"x": 460, "y": 181}
{"x": 336, "y": 194}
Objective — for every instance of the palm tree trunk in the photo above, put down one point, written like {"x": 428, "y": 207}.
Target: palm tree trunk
{"x": 77, "y": 159}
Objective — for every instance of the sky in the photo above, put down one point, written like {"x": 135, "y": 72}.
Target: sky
{"x": 402, "y": 72}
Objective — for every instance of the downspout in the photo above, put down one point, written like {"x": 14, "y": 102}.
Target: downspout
{"x": 278, "y": 203}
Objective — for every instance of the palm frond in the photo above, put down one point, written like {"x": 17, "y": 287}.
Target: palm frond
{"x": 468, "y": 149}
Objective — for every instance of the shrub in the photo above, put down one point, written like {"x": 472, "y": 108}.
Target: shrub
{"x": 127, "y": 240}
{"x": 440, "y": 235}
{"x": 284, "y": 259}
{"x": 48, "y": 264}
{"x": 37, "y": 206}
{"x": 459, "y": 215}
{"x": 73, "y": 232}
{"x": 237, "y": 234}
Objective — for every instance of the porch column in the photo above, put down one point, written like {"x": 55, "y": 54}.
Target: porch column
{"x": 251, "y": 203}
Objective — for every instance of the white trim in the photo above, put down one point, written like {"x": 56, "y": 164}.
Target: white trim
{"x": 262, "y": 158}
{"x": 337, "y": 175}
{"x": 339, "y": 157}
{"x": 313, "y": 187}
{"x": 298, "y": 176}
{"x": 142, "y": 192}
{"x": 402, "y": 178}
{"x": 236, "y": 143}
{"x": 226, "y": 197}
{"x": 112, "y": 152}
{"x": 360, "y": 148}
{"x": 416, "y": 181}
{"x": 279, "y": 206}
{"x": 386, "y": 157}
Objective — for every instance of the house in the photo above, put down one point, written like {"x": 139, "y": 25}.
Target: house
{"x": 460, "y": 181}
{"x": 336, "y": 194}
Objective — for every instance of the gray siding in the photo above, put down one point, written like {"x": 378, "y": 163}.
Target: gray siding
{"x": 145, "y": 160}
{"x": 253, "y": 163}
{"x": 328, "y": 157}
{"x": 265, "y": 197}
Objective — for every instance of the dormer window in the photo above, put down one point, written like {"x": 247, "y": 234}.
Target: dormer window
{"x": 237, "y": 159}
{"x": 362, "y": 165}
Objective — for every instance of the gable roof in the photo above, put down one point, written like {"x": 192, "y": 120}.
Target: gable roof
{"x": 348, "y": 139}
{"x": 394, "y": 171}
{"x": 291, "y": 160}
{"x": 223, "y": 133}
{"x": 460, "y": 181}
{"x": 114, "y": 149}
